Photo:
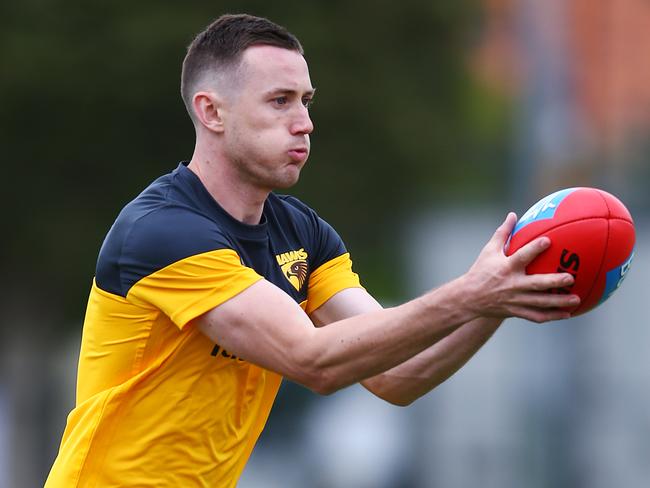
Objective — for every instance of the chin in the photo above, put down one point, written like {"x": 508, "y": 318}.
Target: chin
{"x": 283, "y": 184}
{"x": 277, "y": 181}
{"x": 287, "y": 178}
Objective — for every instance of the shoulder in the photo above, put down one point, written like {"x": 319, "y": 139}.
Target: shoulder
{"x": 291, "y": 211}
{"x": 290, "y": 202}
{"x": 152, "y": 232}
{"x": 294, "y": 209}
{"x": 174, "y": 231}
{"x": 324, "y": 240}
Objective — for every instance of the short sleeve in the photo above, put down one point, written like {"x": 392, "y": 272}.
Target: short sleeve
{"x": 174, "y": 260}
{"x": 332, "y": 266}
{"x": 328, "y": 242}
{"x": 325, "y": 242}
{"x": 192, "y": 286}
{"x": 329, "y": 258}
{"x": 328, "y": 279}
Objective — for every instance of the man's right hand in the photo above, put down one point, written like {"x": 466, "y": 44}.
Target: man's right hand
{"x": 498, "y": 286}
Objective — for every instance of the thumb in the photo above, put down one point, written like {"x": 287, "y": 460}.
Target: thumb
{"x": 503, "y": 232}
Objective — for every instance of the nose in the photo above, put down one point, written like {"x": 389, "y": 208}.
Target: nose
{"x": 302, "y": 123}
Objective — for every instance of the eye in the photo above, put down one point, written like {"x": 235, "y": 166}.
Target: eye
{"x": 307, "y": 102}
{"x": 280, "y": 100}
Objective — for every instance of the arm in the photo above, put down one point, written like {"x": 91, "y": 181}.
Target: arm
{"x": 418, "y": 375}
{"x": 265, "y": 326}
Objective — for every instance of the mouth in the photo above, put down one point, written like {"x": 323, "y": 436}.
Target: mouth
{"x": 298, "y": 153}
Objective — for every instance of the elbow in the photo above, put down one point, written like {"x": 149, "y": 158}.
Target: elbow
{"x": 394, "y": 390}
{"x": 317, "y": 377}
{"x": 398, "y": 401}
{"x": 401, "y": 402}
{"x": 320, "y": 381}
{"x": 324, "y": 388}
{"x": 401, "y": 398}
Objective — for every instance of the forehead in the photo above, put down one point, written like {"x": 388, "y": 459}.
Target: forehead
{"x": 266, "y": 66}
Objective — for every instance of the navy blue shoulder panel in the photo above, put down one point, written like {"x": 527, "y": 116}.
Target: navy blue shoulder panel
{"x": 325, "y": 240}
{"x": 175, "y": 218}
{"x": 153, "y": 231}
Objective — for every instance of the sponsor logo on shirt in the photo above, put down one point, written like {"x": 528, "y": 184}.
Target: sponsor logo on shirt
{"x": 217, "y": 350}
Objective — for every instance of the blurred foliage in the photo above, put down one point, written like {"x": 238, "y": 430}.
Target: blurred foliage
{"x": 91, "y": 113}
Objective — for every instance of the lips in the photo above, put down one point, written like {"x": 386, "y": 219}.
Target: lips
{"x": 298, "y": 153}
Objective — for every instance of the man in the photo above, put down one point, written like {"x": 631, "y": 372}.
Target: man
{"x": 209, "y": 286}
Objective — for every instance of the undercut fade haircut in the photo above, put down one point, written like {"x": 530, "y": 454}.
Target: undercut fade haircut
{"x": 221, "y": 45}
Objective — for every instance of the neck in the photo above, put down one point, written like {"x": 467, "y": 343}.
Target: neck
{"x": 242, "y": 201}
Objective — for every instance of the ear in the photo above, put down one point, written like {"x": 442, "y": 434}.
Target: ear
{"x": 208, "y": 109}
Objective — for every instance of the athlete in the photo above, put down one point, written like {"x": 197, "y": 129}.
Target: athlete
{"x": 210, "y": 289}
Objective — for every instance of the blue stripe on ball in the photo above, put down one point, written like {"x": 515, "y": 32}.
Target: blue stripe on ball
{"x": 544, "y": 209}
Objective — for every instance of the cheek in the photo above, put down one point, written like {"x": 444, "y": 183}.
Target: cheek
{"x": 262, "y": 133}
{"x": 262, "y": 144}
{"x": 269, "y": 135}
{"x": 262, "y": 126}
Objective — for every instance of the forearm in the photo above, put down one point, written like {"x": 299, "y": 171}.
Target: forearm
{"x": 347, "y": 350}
{"x": 265, "y": 325}
{"x": 356, "y": 348}
{"x": 417, "y": 376}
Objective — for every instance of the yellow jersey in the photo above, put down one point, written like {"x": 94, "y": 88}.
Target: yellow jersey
{"x": 157, "y": 403}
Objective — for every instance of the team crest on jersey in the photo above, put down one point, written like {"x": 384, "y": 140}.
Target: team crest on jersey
{"x": 294, "y": 266}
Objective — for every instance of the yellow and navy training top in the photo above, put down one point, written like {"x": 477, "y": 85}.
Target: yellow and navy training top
{"x": 157, "y": 403}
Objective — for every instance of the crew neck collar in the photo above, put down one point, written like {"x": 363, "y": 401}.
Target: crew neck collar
{"x": 252, "y": 231}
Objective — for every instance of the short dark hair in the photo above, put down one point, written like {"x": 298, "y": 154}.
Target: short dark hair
{"x": 222, "y": 44}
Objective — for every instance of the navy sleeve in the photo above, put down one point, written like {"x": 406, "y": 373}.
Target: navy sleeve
{"x": 140, "y": 243}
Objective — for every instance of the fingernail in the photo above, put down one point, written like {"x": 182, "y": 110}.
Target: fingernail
{"x": 544, "y": 242}
{"x": 568, "y": 280}
{"x": 574, "y": 300}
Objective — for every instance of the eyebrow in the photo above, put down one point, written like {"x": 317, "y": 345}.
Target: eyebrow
{"x": 291, "y": 91}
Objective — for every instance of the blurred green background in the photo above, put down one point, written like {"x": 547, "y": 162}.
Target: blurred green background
{"x": 91, "y": 113}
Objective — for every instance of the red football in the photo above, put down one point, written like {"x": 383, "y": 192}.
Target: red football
{"x": 592, "y": 237}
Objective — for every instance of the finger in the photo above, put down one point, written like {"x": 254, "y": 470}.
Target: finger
{"x": 547, "y": 300}
{"x": 502, "y": 233}
{"x": 540, "y": 315}
{"x": 547, "y": 281}
{"x": 525, "y": 255}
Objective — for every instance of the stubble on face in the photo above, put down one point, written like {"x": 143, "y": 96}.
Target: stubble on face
{"x": 260, "y": 168}
{"x": 260, "y": 160}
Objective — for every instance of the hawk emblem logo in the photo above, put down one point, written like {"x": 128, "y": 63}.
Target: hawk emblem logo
{"x": 294, "y": 267}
